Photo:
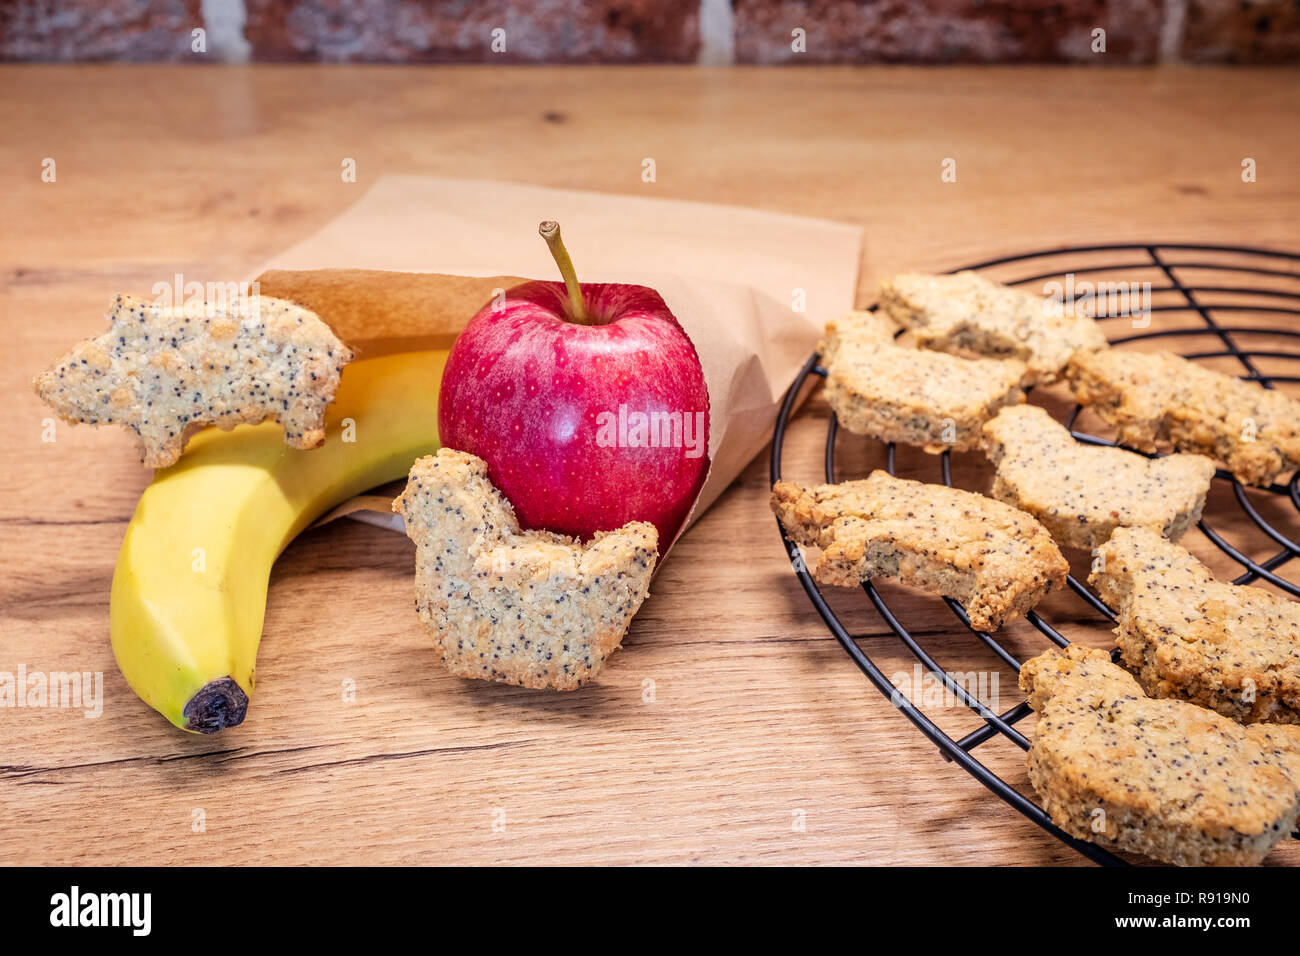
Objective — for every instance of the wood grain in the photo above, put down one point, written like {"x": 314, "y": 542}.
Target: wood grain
{"x": 756, "y": 714}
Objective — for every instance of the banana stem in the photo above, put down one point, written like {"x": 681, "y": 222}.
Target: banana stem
{"x": 550, "y": 231}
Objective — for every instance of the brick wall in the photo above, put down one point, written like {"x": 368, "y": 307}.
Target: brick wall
{"x": 654, "y": 31}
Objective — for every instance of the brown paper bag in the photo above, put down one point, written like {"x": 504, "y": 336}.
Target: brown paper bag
{"x": 377, "y": 312}
{"x": 750, "y": 288}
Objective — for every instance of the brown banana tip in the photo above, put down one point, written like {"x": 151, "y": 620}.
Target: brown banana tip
{"x": 219, "y": 704}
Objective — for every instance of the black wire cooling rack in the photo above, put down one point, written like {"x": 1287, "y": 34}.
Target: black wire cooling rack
{"x": 1238, "y": 281}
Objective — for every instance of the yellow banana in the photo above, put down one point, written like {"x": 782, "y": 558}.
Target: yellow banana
{"x": 189, "y": 592}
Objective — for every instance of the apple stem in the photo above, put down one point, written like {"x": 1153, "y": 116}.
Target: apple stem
{"x": 550, "y": 231}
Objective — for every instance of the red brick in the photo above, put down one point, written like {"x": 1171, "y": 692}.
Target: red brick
{"x": 460, "y": 31}
{"x": 947, "y": 31}
{"x": 1242, "y": 31}
{"x": 98, "y": 29}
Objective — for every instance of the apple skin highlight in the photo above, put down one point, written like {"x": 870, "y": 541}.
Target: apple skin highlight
{"x": 546, "y": 402}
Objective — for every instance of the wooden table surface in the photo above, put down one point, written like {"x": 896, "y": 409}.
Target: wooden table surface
{"x": 758, "y": 720}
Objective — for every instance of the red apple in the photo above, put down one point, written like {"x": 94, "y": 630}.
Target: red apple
{"x": 587, "y": 402}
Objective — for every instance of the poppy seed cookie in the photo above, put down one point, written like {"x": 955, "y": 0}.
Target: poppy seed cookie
{"x": 1164, "y": 778}
{"x": 997, "y": 561}
{"x": 1232, "y": 648}
{"x": 164, "y": 373}
{"x": 908, "y": 395}
{"x": 1081, "y": 493}
{"x": 967, "y": 313}
{"x": 529, "y": 608}
{"x": 1154, "y": 397}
